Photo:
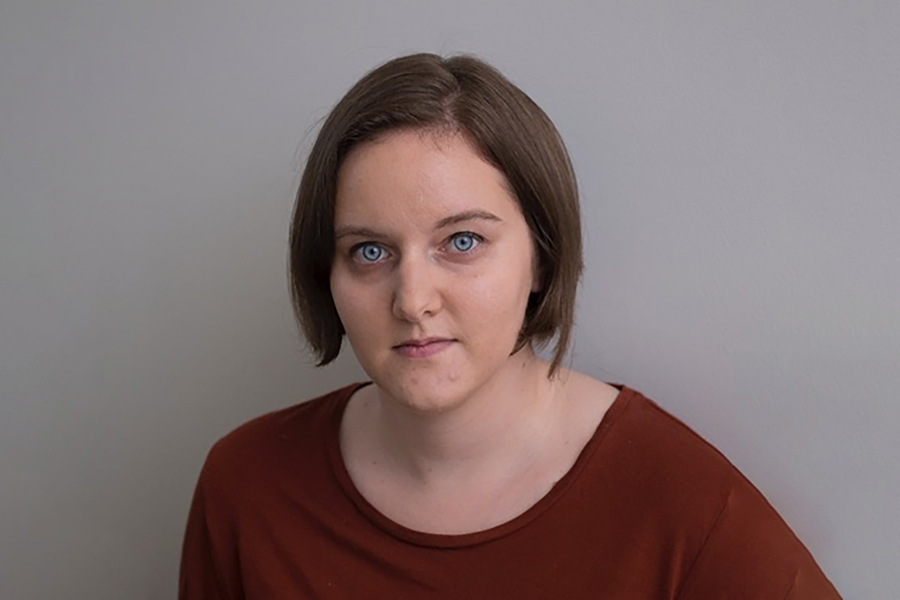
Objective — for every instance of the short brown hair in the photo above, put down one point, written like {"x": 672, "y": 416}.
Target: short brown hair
{"x": 460, "y": 94}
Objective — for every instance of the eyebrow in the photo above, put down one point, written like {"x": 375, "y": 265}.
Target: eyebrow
{"x": 468, "y": 215}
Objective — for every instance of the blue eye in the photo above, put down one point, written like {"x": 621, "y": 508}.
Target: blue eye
{"x": 464, "y": 242}
{"x": 369, "y": 252}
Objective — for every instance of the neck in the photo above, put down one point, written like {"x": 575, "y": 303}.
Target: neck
{"x": 502, "y": 427}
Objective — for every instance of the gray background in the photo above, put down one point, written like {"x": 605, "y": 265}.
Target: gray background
{"x": 739, "y": 171}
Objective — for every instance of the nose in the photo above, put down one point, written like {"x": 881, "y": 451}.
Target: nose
{"x": 417, "y": 293}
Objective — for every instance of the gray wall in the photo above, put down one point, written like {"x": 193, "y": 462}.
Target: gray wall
{"x": 739, "y": 168}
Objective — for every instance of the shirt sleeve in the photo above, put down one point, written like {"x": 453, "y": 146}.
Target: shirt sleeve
{"x": 751, "y": 554}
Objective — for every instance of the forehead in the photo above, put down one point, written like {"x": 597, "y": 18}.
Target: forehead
{"x": 408, "y": 175}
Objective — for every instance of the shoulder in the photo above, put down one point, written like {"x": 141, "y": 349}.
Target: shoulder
{"x": 650, "y": 444}
{"x": 667, "y": 446}
{"x": 266, "y": 447}
{"x": 729, "y": 533}
{"x": 658, "y": 456}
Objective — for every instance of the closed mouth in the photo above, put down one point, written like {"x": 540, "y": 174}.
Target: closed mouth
{"x": 423, "y": 342}
{"x": 423, "y": 348}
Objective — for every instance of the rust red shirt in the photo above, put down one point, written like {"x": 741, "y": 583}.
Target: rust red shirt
{"x": 649, "y": 511}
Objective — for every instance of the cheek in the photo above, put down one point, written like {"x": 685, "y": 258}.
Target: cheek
{"x": 497, "y": 300}
{"x": 338, "y": 294}
{"x": 349, "y": 301}
{"x": 364, "y": 311}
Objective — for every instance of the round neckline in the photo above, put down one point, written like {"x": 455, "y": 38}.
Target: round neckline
{"x": 442, "y": 540}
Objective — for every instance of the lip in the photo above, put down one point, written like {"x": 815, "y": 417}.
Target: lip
{"x": 423, "y": 347}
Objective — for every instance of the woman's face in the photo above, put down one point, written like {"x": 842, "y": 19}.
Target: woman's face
{"x": 433, "y": 267}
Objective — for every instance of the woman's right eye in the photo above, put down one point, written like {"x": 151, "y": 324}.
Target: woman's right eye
{"x": 368, "y": 253}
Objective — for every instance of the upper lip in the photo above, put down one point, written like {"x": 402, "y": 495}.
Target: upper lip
{"x": 422, "y": 341}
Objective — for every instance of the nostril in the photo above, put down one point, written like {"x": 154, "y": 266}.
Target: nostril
{"x": 414, "y": 306}
{"x": 415, "y": 296}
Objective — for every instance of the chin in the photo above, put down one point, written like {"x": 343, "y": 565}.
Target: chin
{"x": 436, "y": 385}
{"x": 427, "y": 392}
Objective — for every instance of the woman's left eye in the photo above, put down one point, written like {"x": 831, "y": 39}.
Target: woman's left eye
{"x": 465, "y": 242}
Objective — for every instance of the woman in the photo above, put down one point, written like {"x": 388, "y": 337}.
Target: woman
{"x": 437, "y": 227}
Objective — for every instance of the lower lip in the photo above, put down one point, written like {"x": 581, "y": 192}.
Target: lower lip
{"x": 423, "y": 351}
